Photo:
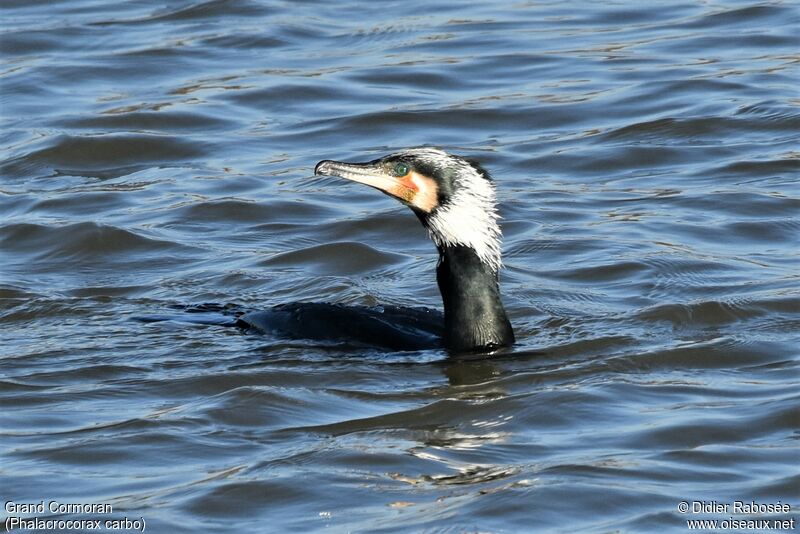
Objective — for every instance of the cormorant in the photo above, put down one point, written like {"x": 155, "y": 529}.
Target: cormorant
{"x": 454, "y": 198}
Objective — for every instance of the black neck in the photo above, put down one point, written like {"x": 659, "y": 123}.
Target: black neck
{"x": 474, "y": 317}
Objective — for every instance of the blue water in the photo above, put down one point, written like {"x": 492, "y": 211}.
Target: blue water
{"x": 160, "y": 155}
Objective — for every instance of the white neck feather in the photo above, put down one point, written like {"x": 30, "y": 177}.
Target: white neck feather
{"x": 470, "y": 216}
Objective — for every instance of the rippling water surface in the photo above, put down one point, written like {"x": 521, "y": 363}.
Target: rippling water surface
{"x": 157, "y": 155}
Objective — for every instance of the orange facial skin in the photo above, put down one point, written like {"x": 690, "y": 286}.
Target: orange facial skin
{"x": 418, "y": 190}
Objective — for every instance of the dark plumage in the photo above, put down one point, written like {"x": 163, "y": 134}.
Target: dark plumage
{"x": 455, "y": 200}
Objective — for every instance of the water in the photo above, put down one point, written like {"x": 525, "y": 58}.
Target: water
{"x": 158, "y": 155}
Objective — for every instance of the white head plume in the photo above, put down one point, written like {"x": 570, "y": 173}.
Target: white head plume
{"x": 469, "y": 217}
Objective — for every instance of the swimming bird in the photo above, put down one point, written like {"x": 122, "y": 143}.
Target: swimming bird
{"x": 454, "y": 199}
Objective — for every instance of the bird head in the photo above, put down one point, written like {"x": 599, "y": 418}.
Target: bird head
{"x": 453, "y": 197}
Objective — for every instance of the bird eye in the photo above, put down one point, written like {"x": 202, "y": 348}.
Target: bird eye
{"x": 400, "y": 169}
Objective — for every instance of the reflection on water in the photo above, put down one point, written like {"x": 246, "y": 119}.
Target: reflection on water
{"x": 157, "y": 157}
